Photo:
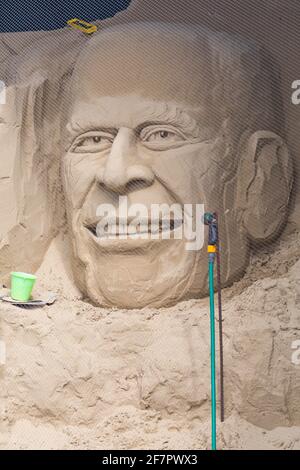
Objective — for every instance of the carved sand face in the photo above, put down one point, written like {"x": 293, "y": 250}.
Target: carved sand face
{"x": 142, "y": 125}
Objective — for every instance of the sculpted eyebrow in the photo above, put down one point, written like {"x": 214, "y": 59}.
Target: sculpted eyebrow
{"x": 140, "y": 127}
{"x": 74, "y": 128}
{"x": 165, "y": 115}
{"x": 172, "y": 116}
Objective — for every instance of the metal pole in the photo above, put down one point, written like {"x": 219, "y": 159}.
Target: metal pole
{"x": 222, "y": 393}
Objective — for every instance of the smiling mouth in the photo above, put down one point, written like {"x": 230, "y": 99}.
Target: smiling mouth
{"x": 119, "y": 230}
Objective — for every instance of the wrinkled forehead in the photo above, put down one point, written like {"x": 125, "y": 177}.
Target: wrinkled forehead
{"x": 152, "y": 62}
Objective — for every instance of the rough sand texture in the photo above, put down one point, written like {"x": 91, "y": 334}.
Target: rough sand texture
{"x": 78, "y": 376}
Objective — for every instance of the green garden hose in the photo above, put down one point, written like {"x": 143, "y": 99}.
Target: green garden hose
{"x": 211, "y": 259}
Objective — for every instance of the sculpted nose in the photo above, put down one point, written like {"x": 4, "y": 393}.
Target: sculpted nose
{"x": 123, "y": 172}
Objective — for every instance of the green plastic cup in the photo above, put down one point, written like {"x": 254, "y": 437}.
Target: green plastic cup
{"x": 21, "y": 286}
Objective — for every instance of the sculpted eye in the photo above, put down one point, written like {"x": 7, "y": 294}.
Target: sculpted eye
{"x": 161, "y": 136}
{"x": 92, "y": 142}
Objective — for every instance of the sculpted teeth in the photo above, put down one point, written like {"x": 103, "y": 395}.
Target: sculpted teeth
{"x": 148, "y": 228}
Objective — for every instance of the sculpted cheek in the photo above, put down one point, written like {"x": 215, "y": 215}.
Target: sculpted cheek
{"x": 190, "y": 164}
{"x": 79, "y": 174}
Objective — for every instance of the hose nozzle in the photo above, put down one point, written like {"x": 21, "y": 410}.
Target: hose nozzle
{"x": 210, "y": 219}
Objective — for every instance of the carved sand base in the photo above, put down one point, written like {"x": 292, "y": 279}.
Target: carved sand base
{"x": 81, "y": 376}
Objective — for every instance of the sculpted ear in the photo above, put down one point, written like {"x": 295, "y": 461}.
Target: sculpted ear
{"x": 264, "y": 182}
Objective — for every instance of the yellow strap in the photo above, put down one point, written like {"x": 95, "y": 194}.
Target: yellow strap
{"x": 84, "y": 26}
{"x": 211, "y": 249}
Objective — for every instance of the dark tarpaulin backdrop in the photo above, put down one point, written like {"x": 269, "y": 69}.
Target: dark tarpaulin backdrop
{"x": 31, "y": 15}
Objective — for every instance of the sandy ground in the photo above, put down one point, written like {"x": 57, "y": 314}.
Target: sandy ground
{"x": 78, "y": 376}
{"x": 129, "y": 428}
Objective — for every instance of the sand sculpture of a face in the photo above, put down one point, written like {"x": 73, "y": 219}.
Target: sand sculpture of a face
{"x": 164, "y": 114}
